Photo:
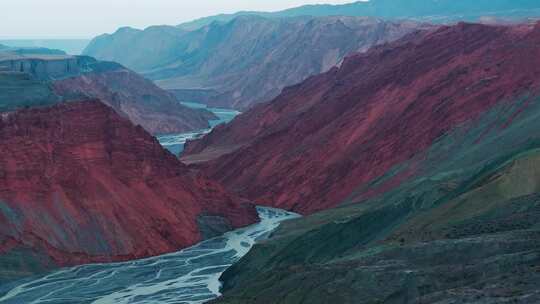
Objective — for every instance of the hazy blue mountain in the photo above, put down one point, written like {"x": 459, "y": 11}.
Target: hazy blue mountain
{"x": 428, "y": 10}
{"x": 244, "y": 61}
{"x": 29, "y": 51}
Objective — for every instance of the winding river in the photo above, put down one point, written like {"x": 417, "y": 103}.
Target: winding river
{"x": 189, "y": 276}
{"x": 175, "y": 142}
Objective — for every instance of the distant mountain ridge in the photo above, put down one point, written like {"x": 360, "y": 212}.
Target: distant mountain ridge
{"x": 242, "y": 59}
{"x": 29, "y": 50}
{"x": 247, "y": 60}
{"x": 70, "y": 46}
{"x": 426, "y": 10}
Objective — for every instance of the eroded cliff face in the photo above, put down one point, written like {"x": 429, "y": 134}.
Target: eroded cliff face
{"x": 247, "y": 60}
{"x": 79, "y": 183}
{"x": 332, "y": 137}
{"x": 43, "y": 79}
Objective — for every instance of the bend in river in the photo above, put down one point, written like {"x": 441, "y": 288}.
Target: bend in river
{"x": 189, "y": 276}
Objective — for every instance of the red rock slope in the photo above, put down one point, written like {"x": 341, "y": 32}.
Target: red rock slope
{"x": 79, "y": 183}
{"x": 312, "y": 146}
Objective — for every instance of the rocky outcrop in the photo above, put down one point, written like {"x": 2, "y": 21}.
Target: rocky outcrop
{"x": 62, "y": 77}
{"x": 43, "y": 68}
{"x": 333, "y": 136}
{"x": 79, "y": 184}
{"x": 247, "y": 60}
{"x": 457, "y": 221}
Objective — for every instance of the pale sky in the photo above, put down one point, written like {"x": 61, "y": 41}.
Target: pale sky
{"x": 88, "y": 18}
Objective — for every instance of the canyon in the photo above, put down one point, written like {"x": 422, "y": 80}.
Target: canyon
{"x": 382, "y": 151}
